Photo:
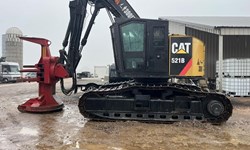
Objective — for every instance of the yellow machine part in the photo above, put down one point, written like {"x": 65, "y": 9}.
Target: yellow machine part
{"x": 187, "y": 56}
{"x": 198, "y": 59}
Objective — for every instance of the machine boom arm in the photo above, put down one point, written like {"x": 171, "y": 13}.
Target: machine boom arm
{"x": 119, "y": 8}
{"x": 78, "y": 9}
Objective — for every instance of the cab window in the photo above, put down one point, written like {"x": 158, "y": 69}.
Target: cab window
{"x": 133, "y": 37}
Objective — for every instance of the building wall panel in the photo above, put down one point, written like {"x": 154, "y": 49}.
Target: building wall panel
{"x": 235, "y": 31}
{"x": 176, "y": 28}
{"x": 211, "y": 43}
{"x": 236, "y": 46}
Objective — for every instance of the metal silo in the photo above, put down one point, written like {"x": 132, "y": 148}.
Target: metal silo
{"x": 12, "y": 46}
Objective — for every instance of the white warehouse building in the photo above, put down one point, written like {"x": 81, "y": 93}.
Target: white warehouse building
{"x": 227, "y": 39}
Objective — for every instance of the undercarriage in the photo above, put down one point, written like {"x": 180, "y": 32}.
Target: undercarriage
{"x": 168, "y": 102}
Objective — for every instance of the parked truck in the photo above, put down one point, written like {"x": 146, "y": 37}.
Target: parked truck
{"x": 9, "y": 72}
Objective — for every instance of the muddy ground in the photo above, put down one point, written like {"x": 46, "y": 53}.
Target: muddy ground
{"x": 68, "y": 130}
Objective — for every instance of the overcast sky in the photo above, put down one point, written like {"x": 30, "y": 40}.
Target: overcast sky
{"x": 49, "y": 19}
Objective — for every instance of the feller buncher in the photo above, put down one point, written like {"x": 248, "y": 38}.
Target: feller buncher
{"x": 144, "y": 52}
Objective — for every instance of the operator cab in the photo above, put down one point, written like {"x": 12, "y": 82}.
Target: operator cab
{"x": 141, "y": 48}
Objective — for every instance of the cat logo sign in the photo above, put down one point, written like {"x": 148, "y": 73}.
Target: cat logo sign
{"x": 186, "y": 56}
{"x": 181, "y": 48}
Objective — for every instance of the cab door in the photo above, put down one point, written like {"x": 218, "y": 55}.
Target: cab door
{"x": 133, "y": 45}
{"x": 157, "y": 52}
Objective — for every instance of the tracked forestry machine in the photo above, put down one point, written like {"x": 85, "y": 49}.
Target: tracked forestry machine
{"x": 145, "y": 53}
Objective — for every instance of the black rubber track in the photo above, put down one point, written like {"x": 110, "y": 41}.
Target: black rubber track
{"x": 92, "y": 103}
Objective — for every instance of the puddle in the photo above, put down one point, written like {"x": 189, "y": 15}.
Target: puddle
{"x": 28, "y": 131}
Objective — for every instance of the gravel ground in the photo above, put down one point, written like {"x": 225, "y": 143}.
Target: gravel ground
{"x": 68, "y": 129}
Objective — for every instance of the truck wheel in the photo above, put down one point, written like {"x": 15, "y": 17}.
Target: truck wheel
{"x": 91, "y": 86}
{"x": 5, "y": 80}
